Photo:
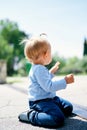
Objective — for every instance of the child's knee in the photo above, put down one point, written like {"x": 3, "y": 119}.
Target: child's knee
{"x": 68, "y": 110}
{"x": 71, "y": 108}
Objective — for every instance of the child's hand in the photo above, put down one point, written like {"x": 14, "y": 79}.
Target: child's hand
{"x": 55, "y": 68}
{"x": 69, "y": 78}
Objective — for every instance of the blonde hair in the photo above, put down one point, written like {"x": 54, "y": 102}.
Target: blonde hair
{"x": 35, "y": 47}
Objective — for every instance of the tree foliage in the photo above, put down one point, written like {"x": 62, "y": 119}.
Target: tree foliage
{"x": 10, "y": 37}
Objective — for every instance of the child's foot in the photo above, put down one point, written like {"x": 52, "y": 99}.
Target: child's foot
{"x": 24, "y": 116}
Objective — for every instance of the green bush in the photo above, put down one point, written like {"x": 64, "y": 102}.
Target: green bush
{"x": 72, "y": 66}
{"x": 83, "y": 65}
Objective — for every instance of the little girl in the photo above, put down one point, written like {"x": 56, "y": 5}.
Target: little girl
{"x": 46, "y": 109}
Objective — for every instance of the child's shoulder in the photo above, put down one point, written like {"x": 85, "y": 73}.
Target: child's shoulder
{"x": 38, "y": 66}
{"x": 38, "y": 69}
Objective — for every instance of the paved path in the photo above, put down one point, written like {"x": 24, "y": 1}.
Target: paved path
{"x": 13, "y": 101}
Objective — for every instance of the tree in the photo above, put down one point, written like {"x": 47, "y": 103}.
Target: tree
{"x": 11, "y": 33}
{"x": 10, "y": 36}
{"x": 85, "y": 47}
{"x": 6, "y": 52}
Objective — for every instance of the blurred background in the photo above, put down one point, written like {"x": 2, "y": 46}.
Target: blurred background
{"x": 65, "y": 24}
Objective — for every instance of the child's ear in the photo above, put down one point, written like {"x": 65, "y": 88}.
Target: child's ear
{"x": 46, "y": 54}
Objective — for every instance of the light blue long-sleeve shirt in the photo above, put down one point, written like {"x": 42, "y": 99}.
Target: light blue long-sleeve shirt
{"x": 41, "y": 85}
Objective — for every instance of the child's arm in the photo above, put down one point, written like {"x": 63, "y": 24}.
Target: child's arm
{"x": 69, "y": 78}
{"x": 55, "y": 68}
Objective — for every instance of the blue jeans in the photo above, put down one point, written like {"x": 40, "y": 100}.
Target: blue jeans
{"x": 49, "y": 112}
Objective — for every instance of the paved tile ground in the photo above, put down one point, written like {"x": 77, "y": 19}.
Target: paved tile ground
{"x": 13, "y": 101}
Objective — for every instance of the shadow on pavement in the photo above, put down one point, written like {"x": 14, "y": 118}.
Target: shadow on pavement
{"x": 74, "y": 124}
